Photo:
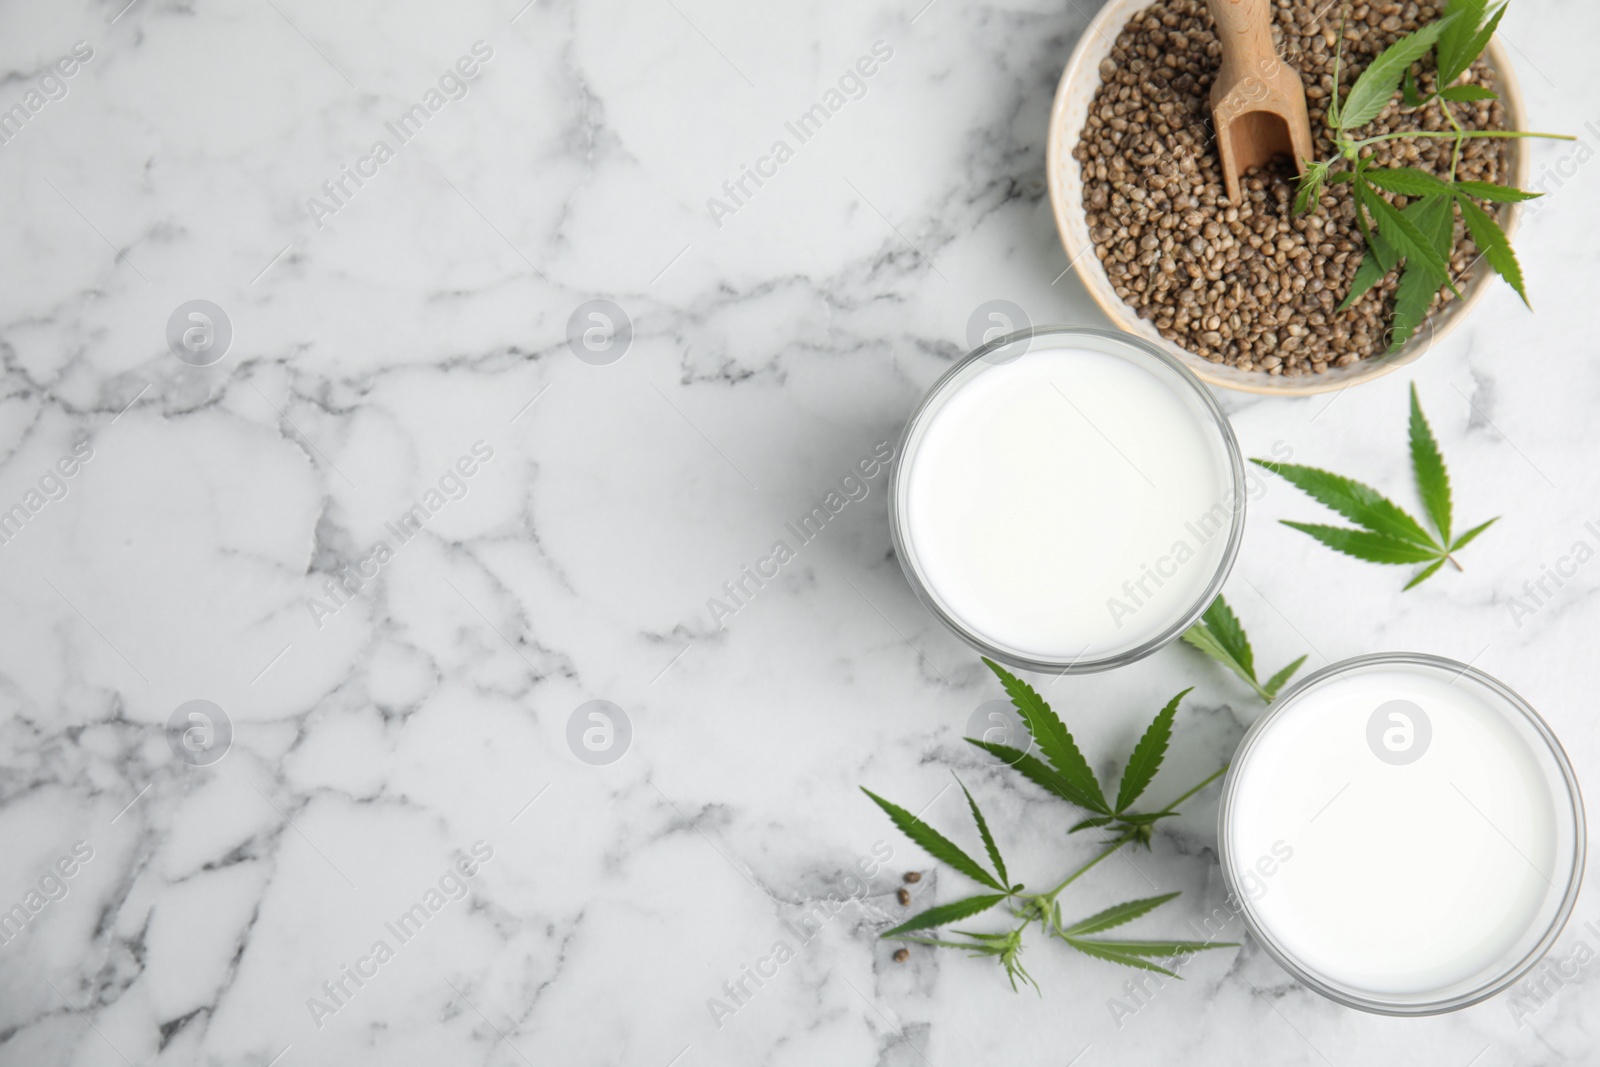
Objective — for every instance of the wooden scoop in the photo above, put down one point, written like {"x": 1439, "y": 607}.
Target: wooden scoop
{"x": 1258, "y": 104}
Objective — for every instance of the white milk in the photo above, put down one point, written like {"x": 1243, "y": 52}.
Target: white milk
{"x": 1069, "y": 505}
{"x": 1396, "y": 878}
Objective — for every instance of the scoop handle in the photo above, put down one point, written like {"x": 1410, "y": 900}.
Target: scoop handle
{"x": 1244, "y": 30}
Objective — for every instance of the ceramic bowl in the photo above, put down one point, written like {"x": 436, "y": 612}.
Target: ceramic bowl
{"x": 1081, "y": 80}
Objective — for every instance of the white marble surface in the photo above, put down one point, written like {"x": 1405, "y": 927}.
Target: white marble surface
{"x": 769, "y": 354}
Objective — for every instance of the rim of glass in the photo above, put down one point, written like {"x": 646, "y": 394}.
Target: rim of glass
{"x": 1386, "y": 1005}
{"x": 945, "y": 387}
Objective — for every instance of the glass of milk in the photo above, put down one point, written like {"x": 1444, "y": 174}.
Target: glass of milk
{"x": 1402, "y": 833}
{"x": 1068, "y": 500}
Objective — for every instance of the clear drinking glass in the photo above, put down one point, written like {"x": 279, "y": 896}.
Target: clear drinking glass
{"x": 994, "y": 358}
{"x": 1523, "y": 950}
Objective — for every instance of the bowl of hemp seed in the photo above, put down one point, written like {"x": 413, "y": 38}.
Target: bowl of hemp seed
{"x": 1248, "y": 294}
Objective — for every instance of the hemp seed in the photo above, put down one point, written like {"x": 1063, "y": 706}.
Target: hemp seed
{"x": 1251, "y": 285}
